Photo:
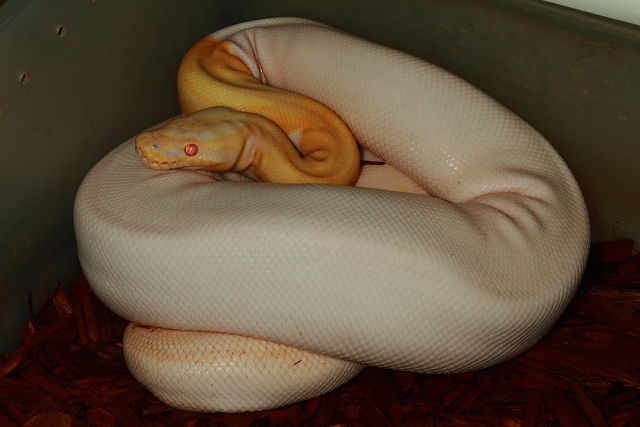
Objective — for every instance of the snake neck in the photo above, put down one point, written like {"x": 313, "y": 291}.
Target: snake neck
{"x": 269, "y": 155}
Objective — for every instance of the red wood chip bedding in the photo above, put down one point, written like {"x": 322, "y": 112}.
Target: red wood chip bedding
{"x": 69, "y": 371}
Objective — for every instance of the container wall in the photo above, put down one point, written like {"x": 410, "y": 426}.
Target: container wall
{"x": 77, "y": 78}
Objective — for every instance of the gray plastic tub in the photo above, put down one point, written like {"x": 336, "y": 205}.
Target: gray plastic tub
{"x": 77, "y": 78}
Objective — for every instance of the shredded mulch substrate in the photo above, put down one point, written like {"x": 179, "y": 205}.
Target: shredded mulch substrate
{"x": 70, "y": 371}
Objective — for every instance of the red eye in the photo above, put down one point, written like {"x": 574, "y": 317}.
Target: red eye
{"x": 191, "y": 150}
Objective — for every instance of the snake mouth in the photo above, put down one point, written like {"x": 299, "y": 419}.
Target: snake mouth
{"x": 156, "y": 164}
{"x": 153, "y": 164}
{"x": 171, "y": 165}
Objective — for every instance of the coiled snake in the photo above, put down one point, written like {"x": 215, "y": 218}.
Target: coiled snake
{"x": 466, "y": 246}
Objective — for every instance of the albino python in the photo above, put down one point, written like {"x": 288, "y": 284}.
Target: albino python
{"x": 457, "y": 253}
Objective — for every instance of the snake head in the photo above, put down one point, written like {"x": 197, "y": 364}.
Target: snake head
{"x": 209, "y": 139}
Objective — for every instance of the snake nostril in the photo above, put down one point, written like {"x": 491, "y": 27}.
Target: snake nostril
{"x": 191, "y": 150}
{"x": 156, "y": 145}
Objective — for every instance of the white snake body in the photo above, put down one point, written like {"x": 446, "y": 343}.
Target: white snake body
{"x": 465, "y": 276}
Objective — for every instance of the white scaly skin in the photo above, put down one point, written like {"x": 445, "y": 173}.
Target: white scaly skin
{"x": 464, "y": 276}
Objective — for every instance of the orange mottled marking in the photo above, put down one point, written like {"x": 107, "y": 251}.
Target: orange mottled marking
{"x": 210, "y": 75}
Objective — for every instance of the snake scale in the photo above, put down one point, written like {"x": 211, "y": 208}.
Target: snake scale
{"x": 457, "y": 253}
